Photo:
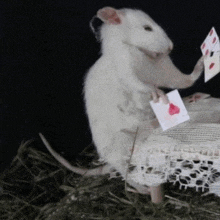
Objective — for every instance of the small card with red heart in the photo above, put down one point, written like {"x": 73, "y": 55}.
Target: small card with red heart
{"x": 212, "y": 65}
{"x": 171, "y": 114}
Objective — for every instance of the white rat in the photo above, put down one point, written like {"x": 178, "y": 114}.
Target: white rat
{"x": 118, "y": 87}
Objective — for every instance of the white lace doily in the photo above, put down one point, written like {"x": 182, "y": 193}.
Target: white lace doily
{"x": 188, "y": 154}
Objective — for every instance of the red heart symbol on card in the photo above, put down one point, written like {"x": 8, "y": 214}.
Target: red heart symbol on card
{"x": 214, "y": 39}
{"x": 211, "y": 65}
{"x": 207, "y": 52}
{"x": 173, "y": 109}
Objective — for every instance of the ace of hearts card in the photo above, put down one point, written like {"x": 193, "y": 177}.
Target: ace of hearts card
{"x": 171, "y": 114}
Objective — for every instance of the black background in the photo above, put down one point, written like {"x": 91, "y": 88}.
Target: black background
{"x": 47, "y": 47}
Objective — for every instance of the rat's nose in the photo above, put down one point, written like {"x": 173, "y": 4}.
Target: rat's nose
{"x": 170, "y": 47}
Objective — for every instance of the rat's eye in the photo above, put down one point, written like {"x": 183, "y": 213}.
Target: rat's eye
{"x": 148, "y": 28}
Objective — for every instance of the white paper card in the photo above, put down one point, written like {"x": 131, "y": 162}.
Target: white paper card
{"x": 211, "y": 48}
{"x": 211, "y": 43}
{"x": 171, "y": 114}
{"x": 212, "y": 66}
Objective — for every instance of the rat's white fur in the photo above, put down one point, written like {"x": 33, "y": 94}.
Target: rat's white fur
{"x": 118, "y": 86}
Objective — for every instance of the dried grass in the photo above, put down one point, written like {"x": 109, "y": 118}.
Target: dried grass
{"x": 37, "y": 187}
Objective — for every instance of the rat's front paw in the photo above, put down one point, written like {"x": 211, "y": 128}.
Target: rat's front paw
{"x": 157, "y": 93}
{"x": 195, "y": 97}
{"x": 198, "y": 69}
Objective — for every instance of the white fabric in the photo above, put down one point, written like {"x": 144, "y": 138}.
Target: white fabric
{"x": 188, "y": 153}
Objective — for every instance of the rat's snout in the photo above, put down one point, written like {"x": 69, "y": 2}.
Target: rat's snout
{"x": 170, "y": 48}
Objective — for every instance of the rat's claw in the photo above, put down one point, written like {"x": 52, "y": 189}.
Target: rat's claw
{"x": 155, "y": 96}
{"x": 159, "y": 93}
{"x": 163, "y": 96}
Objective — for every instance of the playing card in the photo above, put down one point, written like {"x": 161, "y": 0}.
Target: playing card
{"x": 171, "y": 114}
{"x": 211, "y": 43}
{"x": 212, "y": 65}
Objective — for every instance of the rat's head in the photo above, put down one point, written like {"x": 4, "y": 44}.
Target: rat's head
{"x": 135, "y": 28}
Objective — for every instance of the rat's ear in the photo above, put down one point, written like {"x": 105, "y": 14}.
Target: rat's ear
{"x": 110, "y": 15}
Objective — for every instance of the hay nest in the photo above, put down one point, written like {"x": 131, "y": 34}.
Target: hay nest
{"x": 37, "y": 187}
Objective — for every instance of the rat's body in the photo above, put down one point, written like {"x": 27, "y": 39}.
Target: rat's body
{"x": 118, "y": 87}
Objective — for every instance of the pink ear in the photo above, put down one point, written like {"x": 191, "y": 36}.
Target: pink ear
{"x": 109, "y": 15}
